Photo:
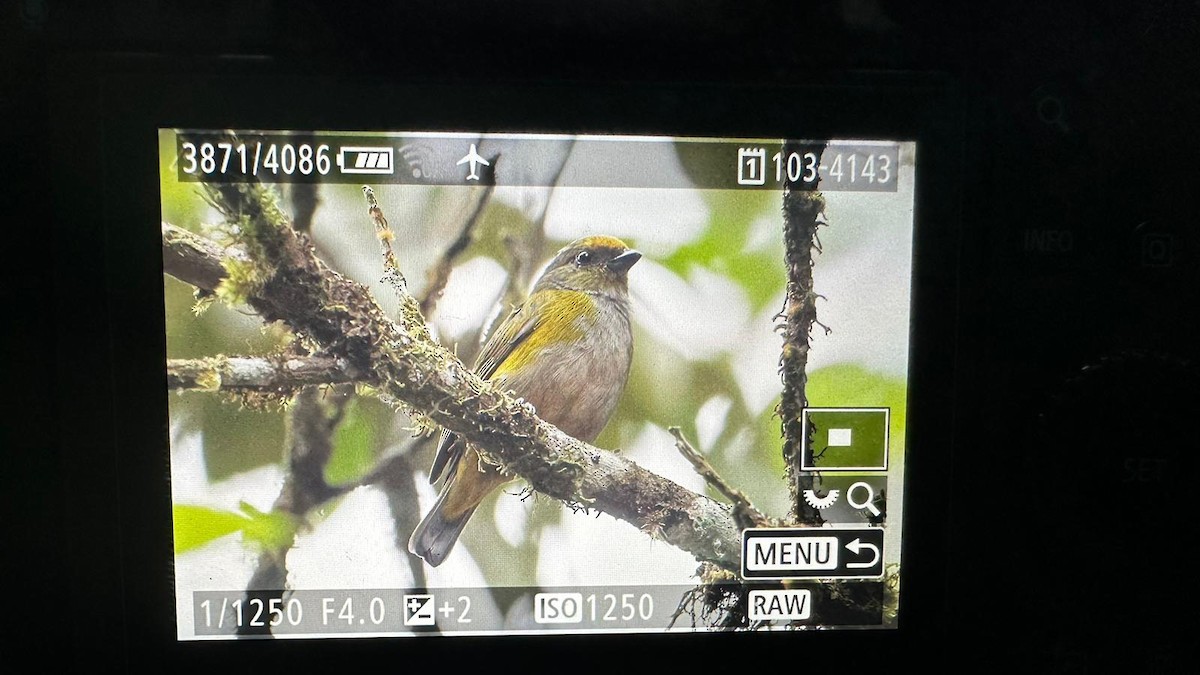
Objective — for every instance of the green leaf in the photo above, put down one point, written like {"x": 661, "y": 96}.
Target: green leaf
{"x": 274, "y": 530}
{"x": 722, "y": 246}
{"x": 196, "y": 526}
{"x": 353, "y": 447}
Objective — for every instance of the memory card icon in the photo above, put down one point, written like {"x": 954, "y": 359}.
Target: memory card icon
{"x": 364, "y": 159}
{"x": 418, "y": 610}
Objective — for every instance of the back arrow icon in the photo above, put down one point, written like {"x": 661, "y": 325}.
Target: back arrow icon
{"x": 858, "y": 545}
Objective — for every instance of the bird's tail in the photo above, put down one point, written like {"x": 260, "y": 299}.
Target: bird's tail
{"x": 435, "y": 536}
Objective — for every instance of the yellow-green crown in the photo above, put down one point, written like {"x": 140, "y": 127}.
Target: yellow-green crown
{"x": 601, "y": 241}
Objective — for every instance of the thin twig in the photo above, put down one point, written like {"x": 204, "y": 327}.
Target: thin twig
{"x": 391, "y": 271}
{"x": 524, "y": 256}
{"x": 743, "y": 509}
{"x": 439, "y": 274}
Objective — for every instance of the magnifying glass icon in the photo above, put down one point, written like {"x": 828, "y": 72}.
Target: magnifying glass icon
{"x": 868, "y": 503}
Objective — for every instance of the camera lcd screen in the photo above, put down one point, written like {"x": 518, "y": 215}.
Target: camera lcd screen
{"x": 724, "y": 323}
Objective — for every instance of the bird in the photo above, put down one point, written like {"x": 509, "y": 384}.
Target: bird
{"x": 567, "y": 350}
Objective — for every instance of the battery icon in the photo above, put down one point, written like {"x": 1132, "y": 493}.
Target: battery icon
{"x": 366, "y": 160}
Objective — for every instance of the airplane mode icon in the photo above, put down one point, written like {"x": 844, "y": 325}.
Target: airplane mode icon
{"x": 475, "y": 159}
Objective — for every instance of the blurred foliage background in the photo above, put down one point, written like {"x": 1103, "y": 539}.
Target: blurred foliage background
{"x": 706, "y": 355}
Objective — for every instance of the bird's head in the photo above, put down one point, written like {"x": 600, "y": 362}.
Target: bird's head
{"x": 596, "y": 264}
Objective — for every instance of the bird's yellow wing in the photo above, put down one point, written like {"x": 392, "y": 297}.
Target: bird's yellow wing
{"x": 519, "y": 325}
{"x": 515, "y": 330}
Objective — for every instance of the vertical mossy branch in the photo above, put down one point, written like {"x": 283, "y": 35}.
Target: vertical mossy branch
{"x": 721, "y": 600}
{"x": 802, "y": 207}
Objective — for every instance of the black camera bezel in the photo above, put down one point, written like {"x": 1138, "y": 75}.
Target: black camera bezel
{"x": 106, "y": 115}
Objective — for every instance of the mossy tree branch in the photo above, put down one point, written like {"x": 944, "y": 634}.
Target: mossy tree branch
{"x": 279, "y": 375}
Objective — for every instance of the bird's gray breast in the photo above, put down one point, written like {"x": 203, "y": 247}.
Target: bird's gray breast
{"x": 576, "y": 386}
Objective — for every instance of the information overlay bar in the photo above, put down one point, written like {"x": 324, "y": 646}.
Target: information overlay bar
{"x": 525, "y": 161}
{"x": 479, "y": 611}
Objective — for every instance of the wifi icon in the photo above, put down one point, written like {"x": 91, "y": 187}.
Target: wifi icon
{"x": 419, "y": 159}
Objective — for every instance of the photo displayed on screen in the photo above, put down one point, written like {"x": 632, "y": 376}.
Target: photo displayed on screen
{"x": 719, "y": 328}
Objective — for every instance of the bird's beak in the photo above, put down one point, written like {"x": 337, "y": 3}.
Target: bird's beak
{"x": 623, "y": 262}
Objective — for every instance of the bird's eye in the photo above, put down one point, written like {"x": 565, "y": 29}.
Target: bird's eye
{"x": 583, "y": 258}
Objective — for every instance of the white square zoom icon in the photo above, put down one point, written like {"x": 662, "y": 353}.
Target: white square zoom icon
{"x": 418, "y": 610}
{"x": 840, "y": 438}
